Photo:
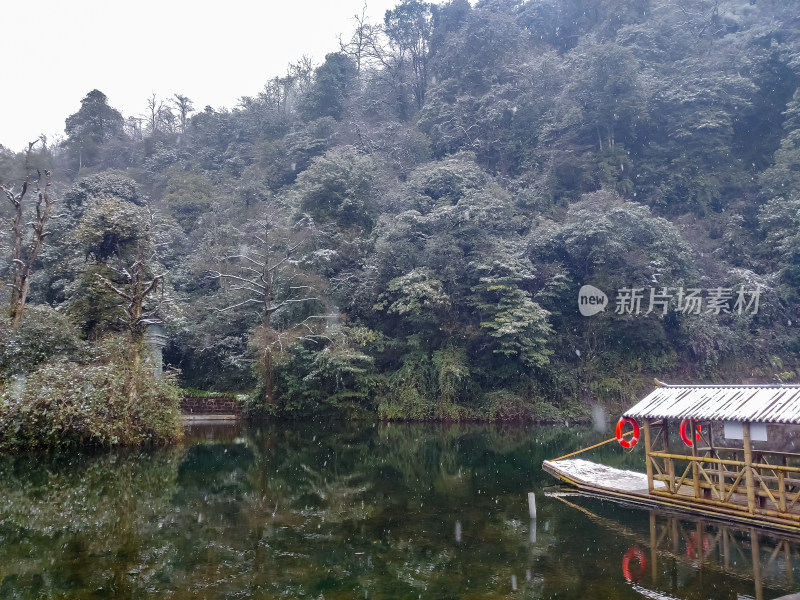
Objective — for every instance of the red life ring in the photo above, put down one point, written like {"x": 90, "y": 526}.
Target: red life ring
{"x": 691, "y": 546}
{"x": 630, "y": 443}
{"x": 637, "y": 554}
{"x": 685, "y": 436}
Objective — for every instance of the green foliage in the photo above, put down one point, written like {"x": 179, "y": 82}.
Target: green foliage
{"x": 608, "y": 90}
{"x": 615, "y": 169}
{"x": 67, "y": 404}
{"x": 92, "y": 307}
{"x": 428, "y": 386}
{"x": 708, "y": 339}
{"x": 696, "y": 168}
{"x": 333, "y": 81}
{"x": 337, "y": 188}
{"x": 90, "y": 129}
{"x": 335, "y": 380}
{"x": 43, "y": 335}
{"x": 417, "y": 296}
{"x": 506, "y": 406}
{"x": 113, "y": 227}
{"x": 411, "y": 390}
{"x": 447, "y": 182}
{"x": 444, "y": 183}
{"x": 452, "y": 375}
{"x": 108, "y": 184}
{"x": 408, "y": 27}
{"x": 212, "y": 354}
{"x": 615, "y": 244}
{"x": 780, "y": 222}
{"x": 783, "y": 177}
{"x": 188, "y": 196}
{"x": 517, "y": 324}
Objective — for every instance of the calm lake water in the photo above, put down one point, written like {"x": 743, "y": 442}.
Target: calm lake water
{"x": 360, "y": 511}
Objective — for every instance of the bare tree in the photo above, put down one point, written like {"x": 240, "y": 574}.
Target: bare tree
{"x": 358, "y": 46}
{"x": 167, "y": 119}
{"x": 271, "y": 279}
{"x": 24, "y": 254}
{"x": 133, "y": 127}
{"x": 153, "y": 116}
{"x": 184, "y": 106}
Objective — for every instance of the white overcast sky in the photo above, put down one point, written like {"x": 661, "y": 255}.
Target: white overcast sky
{"x": 55, "y": 51}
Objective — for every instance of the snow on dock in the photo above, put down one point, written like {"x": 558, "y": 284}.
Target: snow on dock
{"x": 584, "y": 473}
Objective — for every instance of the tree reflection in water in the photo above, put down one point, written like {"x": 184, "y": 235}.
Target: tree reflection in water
{"x": 341, "y": 511}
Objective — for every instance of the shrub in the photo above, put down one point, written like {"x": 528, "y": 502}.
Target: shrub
{"x": 43, "y": 334}
{"x": 336, "y": 380}
{"x": 65, "y": 404}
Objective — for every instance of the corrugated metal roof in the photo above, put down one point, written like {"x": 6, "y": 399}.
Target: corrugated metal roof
{"x": 746, "y": 403}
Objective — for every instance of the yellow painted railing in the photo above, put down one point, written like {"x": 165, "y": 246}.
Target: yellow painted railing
{"x": 769, "y": 489}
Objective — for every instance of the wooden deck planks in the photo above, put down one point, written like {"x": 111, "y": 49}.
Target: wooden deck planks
{"x": 600, "y": 476}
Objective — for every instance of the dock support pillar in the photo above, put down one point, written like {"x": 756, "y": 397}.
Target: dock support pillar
{"x": 782, "y": 487}
{"x": 695, "y": 465}
{"x": 748, "y": 469}
{"x": 532, "y": 513}
{"x": 756, "y": 550}
{"x": 669, "y": 463}
{"x": 647, "y": 460}
{"x": 653, "y": 547}
{"x": 532, "y": 505}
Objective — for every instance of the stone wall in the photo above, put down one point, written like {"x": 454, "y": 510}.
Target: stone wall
{"x": 212, "y": 405}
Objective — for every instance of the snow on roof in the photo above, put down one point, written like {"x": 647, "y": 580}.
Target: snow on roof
{"x": 745, "y": 403}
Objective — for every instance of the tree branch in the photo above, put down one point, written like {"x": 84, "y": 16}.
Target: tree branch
{"x": 248, "y": 301}
{"x": 110, "y": 286}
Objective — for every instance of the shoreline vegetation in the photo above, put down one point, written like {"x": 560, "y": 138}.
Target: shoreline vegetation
{"x": 406, "y": 230}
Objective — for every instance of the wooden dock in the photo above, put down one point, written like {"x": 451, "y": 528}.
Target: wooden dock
{"x": 599, "y": 479}
{"x": 632, "y": 487}
{"x": 735, "y": 461}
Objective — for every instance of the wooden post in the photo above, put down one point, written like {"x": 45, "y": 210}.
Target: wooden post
{"x": 721, "y": 471}
{"x": 748, "y": 469}
{"x": 726, "y": 548}
{"x": 700, "y": 531}
{"x": 756, "y": 550}
{"x": 647, "y": 460}
{"x": 712, "y": 452}
{"x": 653, "y": 547}
{"x": 669, "y": 463}
{"x": 674, "y": 535}
{"x": 760, "y": 500}
{"x": 695, "y": 465}
{"x": 782, "y": 488}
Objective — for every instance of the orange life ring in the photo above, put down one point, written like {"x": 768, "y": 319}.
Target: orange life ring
{"x": 637, "y": 554}
{"x": 685, "y": 436}
{"x": 632, "y": 441}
